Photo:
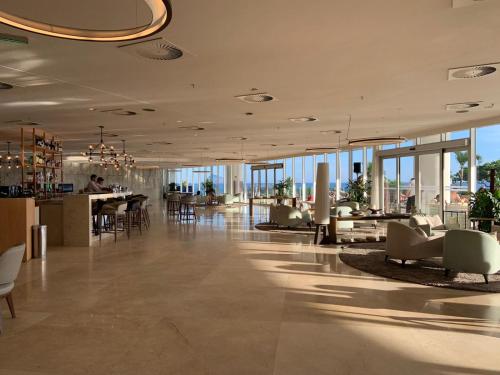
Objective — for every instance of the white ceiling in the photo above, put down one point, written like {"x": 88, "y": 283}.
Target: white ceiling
{"x": 385, "y": 62}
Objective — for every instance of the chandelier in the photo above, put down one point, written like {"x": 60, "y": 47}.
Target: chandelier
{"x": 10, "y": 161}
{"x": 106, "y": 155}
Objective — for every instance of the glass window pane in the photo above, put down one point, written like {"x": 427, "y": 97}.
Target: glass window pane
{"x": 309, "y": 176}
{"x": 391, "y": 200}
{"x": 344, "y": 171}
{"x": 298, "y": 176}
{"x": 332, "y": 165}
{"x": 357, "y": 157}
{"x": 487, "y": 154}
{"x": 407, "y": 183}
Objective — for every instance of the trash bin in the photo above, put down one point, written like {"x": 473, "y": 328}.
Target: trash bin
{"x": 39, "y": 241}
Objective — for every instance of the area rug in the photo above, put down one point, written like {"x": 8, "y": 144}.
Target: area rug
{"x": 370, "y": 258}
{"x": 268, "y": 227}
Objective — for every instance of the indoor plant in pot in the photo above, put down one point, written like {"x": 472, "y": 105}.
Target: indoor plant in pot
{"x": 357, "y": 191}
{"x": 283, "y": 189}
{"x": 485, "y": 204}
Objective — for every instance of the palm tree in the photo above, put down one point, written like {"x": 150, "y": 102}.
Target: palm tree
{"x": 462, "y": 159}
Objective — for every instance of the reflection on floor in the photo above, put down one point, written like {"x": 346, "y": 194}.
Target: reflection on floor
{"x": 219, "y": 297}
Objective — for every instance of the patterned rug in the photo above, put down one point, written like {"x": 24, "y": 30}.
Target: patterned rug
{"x": 370, "y": 258}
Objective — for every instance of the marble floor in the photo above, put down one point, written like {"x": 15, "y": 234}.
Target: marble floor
{"x": 219, "y": 297}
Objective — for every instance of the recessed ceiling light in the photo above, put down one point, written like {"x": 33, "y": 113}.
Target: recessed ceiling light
{"x": 304, "y": 119}
{"x": 239, "y": 138}
{"x": 194, "y": 127}
{"x": 375, "y": 141}
{"x": 249, "y": 113}
{"x": 124, "y": 113}
{"x": 5, "y": 86}
{"x": 149, "y": 109}
{"x": 256, "y": 98}
{"x": 206, "y": 122}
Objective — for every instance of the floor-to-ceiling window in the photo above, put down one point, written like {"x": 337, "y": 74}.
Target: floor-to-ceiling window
{"x": 407, "y": 184}
{"x": 332, "y": 171}
{"x": 299, "y": 178}
{"x": 487, "y": 154}
{"x": 357, "y": 157}
{"x": 344, "y": 171}
{"x": 309, "y": 176}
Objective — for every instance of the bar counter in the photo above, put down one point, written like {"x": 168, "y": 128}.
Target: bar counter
{"x": 77, "y": 217}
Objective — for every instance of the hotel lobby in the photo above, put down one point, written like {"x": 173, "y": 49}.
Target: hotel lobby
{"x": 179, "y": 195}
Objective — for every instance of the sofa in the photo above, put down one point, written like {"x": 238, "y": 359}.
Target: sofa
{"x": 471, "y": 251}
{"x": 407, "y": 243}
{"x": 433, "y": 223}
{"x": 288, "y": 216}
{"x": 228, "y": 199}
{"x": 343, "y": 211}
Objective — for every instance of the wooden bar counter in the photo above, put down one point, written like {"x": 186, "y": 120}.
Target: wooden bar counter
{"x": 77, "y": 217}
{"x": 17, "y": 216}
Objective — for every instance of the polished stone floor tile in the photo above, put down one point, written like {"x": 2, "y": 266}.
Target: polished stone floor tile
{"x": 219, "y": 297}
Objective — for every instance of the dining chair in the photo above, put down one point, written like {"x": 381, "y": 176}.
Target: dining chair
{"x": 10, "y": 263}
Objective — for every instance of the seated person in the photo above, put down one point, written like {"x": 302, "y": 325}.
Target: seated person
{"x": 100, "y": 184}
{"x": 92, "y": 186}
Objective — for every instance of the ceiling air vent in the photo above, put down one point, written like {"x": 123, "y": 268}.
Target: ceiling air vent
{"x": 469, "y": 106}
{"x": 256, "y": 98}
{"x": 154, "y": 49}
{"x": 475, "y": 71}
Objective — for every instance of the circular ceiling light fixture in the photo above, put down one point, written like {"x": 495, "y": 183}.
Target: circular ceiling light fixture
{"x": 375, "y": 141}
{"x": 161, "y": 14}
{"x": 5, "y": 86}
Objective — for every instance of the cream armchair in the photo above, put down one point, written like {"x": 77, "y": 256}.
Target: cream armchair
{"x": 288, "y": 216}
{"x": 343, "y": 211}
{"x": 471, "y": 251}
{"x": 10, "y": 263}
{"x": 406, "y": 243}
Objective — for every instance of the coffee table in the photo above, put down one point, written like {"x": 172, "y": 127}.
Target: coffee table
{"x": 332, "y": 228}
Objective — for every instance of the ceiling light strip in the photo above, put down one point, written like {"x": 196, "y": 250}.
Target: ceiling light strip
{"x": 161, "y": 16}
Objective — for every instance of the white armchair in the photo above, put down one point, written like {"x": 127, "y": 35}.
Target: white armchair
{"x": 406, "y": 243}
{"x": 10, "y": 263}
{"x": 288, "y": 216}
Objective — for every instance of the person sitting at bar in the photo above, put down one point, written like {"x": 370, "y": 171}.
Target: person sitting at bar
{"x": 100, "y": 184}
{"x": 92, "y": 186}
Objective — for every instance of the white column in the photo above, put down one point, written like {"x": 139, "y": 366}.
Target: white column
{"x": 337, "y": 177}
{"x": 322, "y": 201}
{"x": 472, "y": 161}
{"x": 294, "y": 190}
{"x": 314, "y": 179}
{"x": 303, "y": 178}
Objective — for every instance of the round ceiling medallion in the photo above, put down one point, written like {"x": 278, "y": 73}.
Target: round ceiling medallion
{"x": 161, "y": 16}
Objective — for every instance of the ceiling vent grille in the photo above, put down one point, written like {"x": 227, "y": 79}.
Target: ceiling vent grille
{"x": 475, "y": 71}
{"x": 256, "y": 98}
{"x": 469, "y": 106}
{"x": 155, "y": 49}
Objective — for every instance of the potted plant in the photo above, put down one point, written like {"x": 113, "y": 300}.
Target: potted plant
{"x": 283, "y": 189}
{"x": 485, "y": 204}
{"x": 357, "y": 190}
{"x": 208, "y": 186}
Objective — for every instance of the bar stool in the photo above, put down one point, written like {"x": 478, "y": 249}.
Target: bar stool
{"x": 134, "y": 214}
{"x": 187, "y": 208}
{"x": 173, "y": 203}
{"x": 113, "y": 214}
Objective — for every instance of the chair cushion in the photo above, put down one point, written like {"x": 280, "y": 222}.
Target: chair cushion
{"x": 6, "y": 288}
{"x": 421, "y": 232}
{"x": 435, "y": 221}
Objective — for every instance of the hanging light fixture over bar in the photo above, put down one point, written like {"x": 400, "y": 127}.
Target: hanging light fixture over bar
{"x": 161, "y": 14}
